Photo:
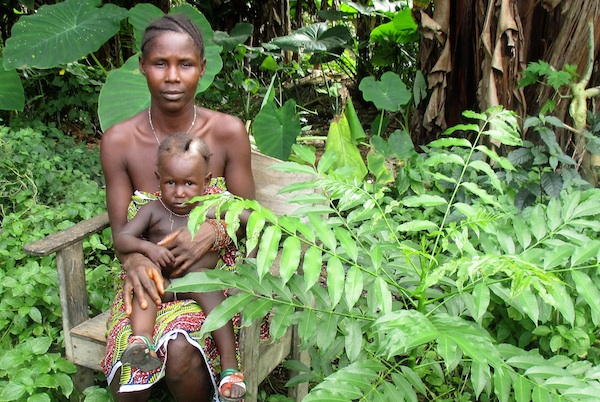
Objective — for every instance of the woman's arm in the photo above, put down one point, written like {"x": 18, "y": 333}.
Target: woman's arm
{"x": 143, "y": 278}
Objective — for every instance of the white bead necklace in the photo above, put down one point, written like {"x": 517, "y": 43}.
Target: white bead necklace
{"x": 171, "y": 213}
{"x": 154, "y": 132}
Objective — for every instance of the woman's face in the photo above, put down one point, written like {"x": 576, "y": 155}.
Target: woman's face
{"x": 172, "y": 67}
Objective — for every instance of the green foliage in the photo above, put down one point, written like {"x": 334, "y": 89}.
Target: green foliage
{"x": 342, "y": 140}
{"x": 41, "y": 163}
{"x": 11, "y": 91}
{"x": 536, "y": 71}
{"x": 389, "y": 93}
{"x": 78, "y": 28}
{"x": 326, "y": 43}
{"x": 275, "y": 129}
{"x": 542, "y": 168}
{"x": 31, "y": 368}
{"x": 47, "y": 183}
{"x": 430, "y": 284}
{"x": 66, "y": 97}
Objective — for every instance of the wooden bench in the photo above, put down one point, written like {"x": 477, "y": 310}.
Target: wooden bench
{"x": 85, "y": 338}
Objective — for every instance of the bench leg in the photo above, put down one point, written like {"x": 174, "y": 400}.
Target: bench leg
{"x": 298, "y": 392}
{"x": 83, "y": 378}
{"x": 249, "y": 343}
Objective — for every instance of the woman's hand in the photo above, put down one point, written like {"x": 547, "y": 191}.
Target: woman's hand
{"x": 186, "y": 250}
{"x": 142, "y": 279}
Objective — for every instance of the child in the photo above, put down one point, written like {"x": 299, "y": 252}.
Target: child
{"x": 183, "y": 175}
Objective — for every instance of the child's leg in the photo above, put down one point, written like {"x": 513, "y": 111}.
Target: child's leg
{"x": 224, "y": 336}
{"x": 140, "y": 351}
{"x": 143, "y": 320}
{"x": 225, "y": 339}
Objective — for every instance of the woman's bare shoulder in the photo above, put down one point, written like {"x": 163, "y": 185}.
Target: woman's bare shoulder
{"x": 123, "y": 128}
{"x": 122, "y": 133}
{"x": 223, "y": 124}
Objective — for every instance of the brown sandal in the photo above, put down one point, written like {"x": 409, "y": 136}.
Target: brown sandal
{"x": 138, "y": 354}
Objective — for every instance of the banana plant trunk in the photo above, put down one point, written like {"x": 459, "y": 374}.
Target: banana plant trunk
{"x": 473, "y": 52}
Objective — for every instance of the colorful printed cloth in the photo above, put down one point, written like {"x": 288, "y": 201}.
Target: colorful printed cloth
{"x": 173, "y": 318}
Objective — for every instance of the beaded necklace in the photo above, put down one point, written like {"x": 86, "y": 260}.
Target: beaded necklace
{"x": 152, "y": 125}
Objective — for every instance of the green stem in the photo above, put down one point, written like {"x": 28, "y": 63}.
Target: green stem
{"x": 100, "y": 66}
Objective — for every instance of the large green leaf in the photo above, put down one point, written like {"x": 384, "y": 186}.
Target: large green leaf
{"x": 140, "y": 17}
{"x": 225, "y": 311}
{"x": 61, "y": 33}
{"x": 238, "y": 35}
{"x": 11, "y": 91}
{"x": 125, "y": 92}
{"x": 388, "y": 94}
{"x": 588, "y": 290}
{"x": 275, "y": 129}
{"x": 315, "y": 38}
{"x": 339, "y": 140}
{"x": 402, "y": 29}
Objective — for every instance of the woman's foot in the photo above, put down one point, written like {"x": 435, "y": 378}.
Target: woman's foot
{"x": 141, "y": 354}
{"x": 232, "y": 387}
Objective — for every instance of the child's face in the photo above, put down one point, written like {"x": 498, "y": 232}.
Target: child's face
{"x": 182, "y": 178}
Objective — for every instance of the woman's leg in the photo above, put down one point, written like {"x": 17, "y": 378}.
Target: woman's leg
{"x": 187, "y": 375}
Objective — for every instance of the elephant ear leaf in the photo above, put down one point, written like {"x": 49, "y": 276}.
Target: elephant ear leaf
{"x": 317, "y": 37}
{"x": 11, "y": 90}
{"x": 61, "y": 33}
{"x": 124, "y": 94}
{"x": 388, "y": 94}
{"x": 275, "y": 129}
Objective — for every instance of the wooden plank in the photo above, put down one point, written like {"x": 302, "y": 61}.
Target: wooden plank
{"x": 66, "y": 237}
{"x": 274, "y": 353}
{"x": 88, "y": 353}
{"x": 249, "y": 341}
{"x": 298, "y": 392}
{"x": 72, "y": 290}
{"x": 93, "y": 329}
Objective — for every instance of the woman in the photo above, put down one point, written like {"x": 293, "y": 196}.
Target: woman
{"x": 172, "y": 60}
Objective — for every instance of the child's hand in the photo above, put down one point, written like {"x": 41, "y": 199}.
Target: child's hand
{"x": 161, "y": 256}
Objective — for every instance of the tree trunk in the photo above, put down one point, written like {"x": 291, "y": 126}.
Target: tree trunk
{"x": 474, "y": 51}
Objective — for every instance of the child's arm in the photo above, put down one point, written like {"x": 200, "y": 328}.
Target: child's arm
{"x": 128, "y": 240}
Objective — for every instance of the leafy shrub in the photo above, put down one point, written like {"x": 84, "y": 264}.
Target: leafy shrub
{"x": 67, "y": 96}
{"x": 47, "y": 183}
{"x": 426, "y": 282}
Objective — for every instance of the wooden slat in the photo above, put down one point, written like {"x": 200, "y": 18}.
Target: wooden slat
{"x": 93, "y": 329}
{"x": 89, "y": 341}
{"x": 72, "y": 290}
{"x": 64, "y": 238}
{"x": 270, "y": 355}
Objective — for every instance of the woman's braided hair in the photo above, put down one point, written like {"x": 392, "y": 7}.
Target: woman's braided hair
{"x": 173, "y": 23}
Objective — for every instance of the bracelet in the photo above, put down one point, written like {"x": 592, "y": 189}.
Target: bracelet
{"x": 222, "y": 239}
